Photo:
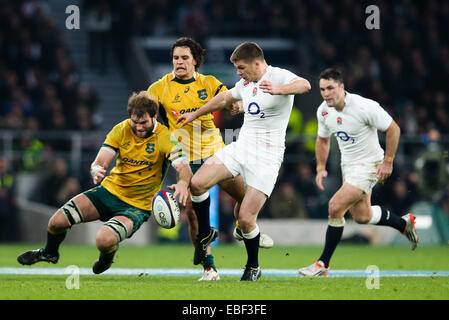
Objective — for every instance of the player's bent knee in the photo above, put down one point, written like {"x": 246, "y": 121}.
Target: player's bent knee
{"x": 105, "y": 239}
{"x": 335, "y": 210}
{"x": 58, "y": 223}
{"x": 196, "y": 188}
{"x": 246, "y": 224}
{"x": 117, "y": 229}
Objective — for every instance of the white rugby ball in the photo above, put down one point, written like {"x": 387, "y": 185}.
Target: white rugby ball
{"x": 165, "y": 209}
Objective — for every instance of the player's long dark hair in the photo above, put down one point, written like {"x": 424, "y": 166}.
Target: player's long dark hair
{"x": 195, "y": 48}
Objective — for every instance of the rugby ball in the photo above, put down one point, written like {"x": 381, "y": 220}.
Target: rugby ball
{"x": 165, "y": 209}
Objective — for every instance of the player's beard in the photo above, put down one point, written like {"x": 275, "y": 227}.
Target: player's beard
{"x": 143, "y": 134}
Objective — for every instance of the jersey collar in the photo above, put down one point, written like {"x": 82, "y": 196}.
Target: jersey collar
{"x": 155, "y": 126}
{"x": 347, "y": 98}
{"x": 182, "y": 81}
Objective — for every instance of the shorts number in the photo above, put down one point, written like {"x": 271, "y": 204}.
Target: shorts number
{"x": 254, "y": 109}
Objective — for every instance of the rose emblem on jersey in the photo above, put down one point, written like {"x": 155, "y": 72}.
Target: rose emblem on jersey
{"x": 339, "y": 120}
{"x": 254, "y": 91}
{"x": 202, "y": 94}
{"x": 150, "y": 148}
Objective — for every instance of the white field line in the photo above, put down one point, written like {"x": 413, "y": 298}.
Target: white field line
{"x": 223, "y": 272}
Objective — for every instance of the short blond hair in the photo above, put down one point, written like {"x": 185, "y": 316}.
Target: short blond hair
{"x": 141, "y": 103}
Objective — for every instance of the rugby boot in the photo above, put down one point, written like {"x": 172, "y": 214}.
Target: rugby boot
{"x": 31, "y": 257}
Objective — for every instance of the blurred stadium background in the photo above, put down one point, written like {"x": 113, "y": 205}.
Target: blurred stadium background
{"x": 62, "y": 90}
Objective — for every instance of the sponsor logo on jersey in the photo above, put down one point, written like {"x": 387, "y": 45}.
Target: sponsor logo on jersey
{"x": 187, "y": 89}
{"x": 174, "y": 113}
{"x": 137, "y": 162}
{"x": 187, "y": 110}
{"x": 324, "y": 113}
{"x": 202, "y": 94}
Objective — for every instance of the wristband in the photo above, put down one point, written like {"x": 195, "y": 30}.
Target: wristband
{"x": 95, "y": 169}
{"x": 388, "y": 159}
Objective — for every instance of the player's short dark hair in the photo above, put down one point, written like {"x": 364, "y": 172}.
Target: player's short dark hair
{"x": 248, "y": 52}
{"x": 140, "y": 103}
{"x": 332, "y": 73}
{"x": 195, "y": 48}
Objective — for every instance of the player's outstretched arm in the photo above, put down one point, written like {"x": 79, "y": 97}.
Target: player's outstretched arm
{"x": 296, "y": 86}
{"x": 182, "y": 186}
{"x": 101, "y": 164}
{"x": 220, "y": 101}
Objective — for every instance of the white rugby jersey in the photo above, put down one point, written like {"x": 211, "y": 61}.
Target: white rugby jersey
{"x": 355, "y": 128}
{"x": 266, "y": 116}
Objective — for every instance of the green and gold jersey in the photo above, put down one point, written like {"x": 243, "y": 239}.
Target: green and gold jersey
{"x": 199, "y": 139}
{"x": 140, "y": 164}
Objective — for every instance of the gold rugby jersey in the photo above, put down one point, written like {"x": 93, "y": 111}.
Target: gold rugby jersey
{"x": 141, "y": 163}
{"x": 199, "y": 139}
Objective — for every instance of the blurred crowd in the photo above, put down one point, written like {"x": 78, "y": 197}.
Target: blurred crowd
{"x": 40, "y": 86}
{"x": 404, "y": 65}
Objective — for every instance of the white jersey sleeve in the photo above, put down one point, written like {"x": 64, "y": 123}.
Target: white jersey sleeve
{"x": 283, "y": 76}
{"x": 323, "y": 130}
{"x": 236, "y": 91}
{"x": 377, "y": 117}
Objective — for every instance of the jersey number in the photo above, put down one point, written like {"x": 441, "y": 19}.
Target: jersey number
{"x": 254, "y": 109}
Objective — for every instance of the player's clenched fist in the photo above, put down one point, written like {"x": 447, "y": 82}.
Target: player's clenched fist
{"x": 97, "y": 172}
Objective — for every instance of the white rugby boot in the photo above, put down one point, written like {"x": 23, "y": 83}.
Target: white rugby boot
{"x": 317, "y": 269}
{"x": 410, "y": 230}
{"x": 210, "y": 275}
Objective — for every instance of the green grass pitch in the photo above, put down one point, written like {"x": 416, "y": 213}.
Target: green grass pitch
{"x": 144, "y": 287}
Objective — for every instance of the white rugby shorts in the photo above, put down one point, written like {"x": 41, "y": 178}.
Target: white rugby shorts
{"x": 258, "y": 169}
{"x": 362, "y": 175}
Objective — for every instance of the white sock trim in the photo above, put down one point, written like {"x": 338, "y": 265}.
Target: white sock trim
{"x": 200, "y": 198}
{"x": 376, "y": 214}
{"x": 252, "y": 234}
